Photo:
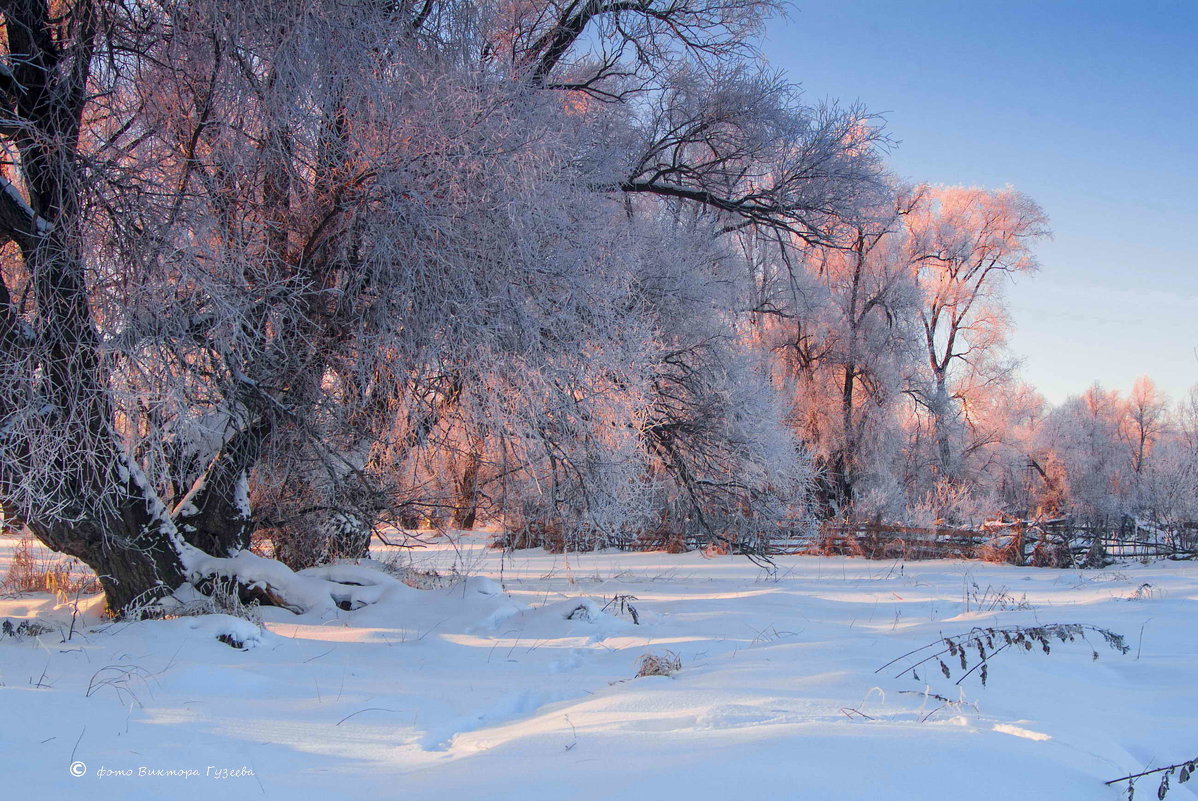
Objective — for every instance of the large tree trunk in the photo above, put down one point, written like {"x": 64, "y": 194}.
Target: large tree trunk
{"x": 132, "y": 552}
{"x": 64, "y": 468}
{"x": 847, "y": 457}
{"x": 942, "y": 418}
{"x": 215, "y": 516}
{"x": 465, "y": 509}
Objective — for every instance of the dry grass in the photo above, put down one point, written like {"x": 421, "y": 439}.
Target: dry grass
{"x": 663, "y": 664}
{"x": 34, "y": 569}
{"x": 222, "y": 597}
{"x": 396, "y": 563}
{"x": 1002, "y": 550}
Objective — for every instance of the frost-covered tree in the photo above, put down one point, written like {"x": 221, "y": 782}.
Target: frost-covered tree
{"x": 258, "y": 256}
{"x": 843, "y": 326}
{"x": 963, "y": 243}
{"x": 1084, "y": 435}
{"x": 1167, "y": 483}
{"x": 1145, "y": 421}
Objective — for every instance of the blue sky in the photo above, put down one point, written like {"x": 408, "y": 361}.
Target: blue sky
{"x": 1089, "y": 107}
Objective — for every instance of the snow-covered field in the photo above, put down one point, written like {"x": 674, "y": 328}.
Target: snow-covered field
{"x": 491, "y": 688}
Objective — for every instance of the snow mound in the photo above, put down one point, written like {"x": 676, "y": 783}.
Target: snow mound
{"x": 234, "y": 631}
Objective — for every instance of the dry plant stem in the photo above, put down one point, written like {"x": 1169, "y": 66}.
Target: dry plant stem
{"x": 982, "y": 641}
{"x": 1189, "y": 765}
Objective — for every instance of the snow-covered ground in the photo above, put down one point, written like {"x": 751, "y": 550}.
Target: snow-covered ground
{"x": 500, "y": 686}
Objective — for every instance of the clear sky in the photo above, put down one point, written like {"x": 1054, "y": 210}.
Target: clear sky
{"x": 1091, "y": 108}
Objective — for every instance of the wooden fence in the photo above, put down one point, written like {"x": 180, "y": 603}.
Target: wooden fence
{"x": 1042, "y": 543}
{"x": 1046, "y": 543}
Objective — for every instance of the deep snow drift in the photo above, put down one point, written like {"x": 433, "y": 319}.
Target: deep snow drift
{"x": 519, "y": 682}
